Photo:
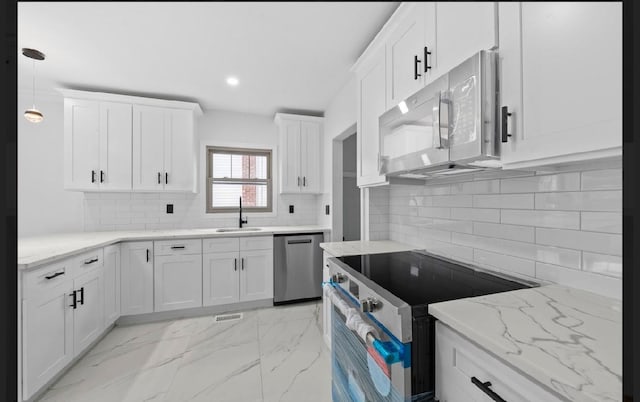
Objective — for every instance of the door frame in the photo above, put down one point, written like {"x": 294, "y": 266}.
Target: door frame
{"x": 336, "y": 183}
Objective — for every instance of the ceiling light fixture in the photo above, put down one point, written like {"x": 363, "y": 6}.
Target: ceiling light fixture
{"x": 232, "y": 81}
{"x": 33, "y": 114}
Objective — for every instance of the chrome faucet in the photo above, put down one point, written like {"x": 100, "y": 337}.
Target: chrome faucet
{"x": 240, "y": 218}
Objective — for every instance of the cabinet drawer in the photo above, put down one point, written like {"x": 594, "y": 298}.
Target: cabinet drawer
{"x": 256, "y": 243}
{"x": 174, "y": 247}
{"x": 88, "y": 261}
{"x": 221, "y": 245}
{"x": 47, "y": 277}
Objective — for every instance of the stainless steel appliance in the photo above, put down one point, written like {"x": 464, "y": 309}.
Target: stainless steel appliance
{"x": 297, "y": 267}
{"x": 383, "y": 339}
{"x": 447, "y": 127}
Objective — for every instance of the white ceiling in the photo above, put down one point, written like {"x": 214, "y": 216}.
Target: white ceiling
{"x": 287, "y": 56}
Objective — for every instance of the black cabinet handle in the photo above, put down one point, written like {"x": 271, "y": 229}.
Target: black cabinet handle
{"x": 54, "y": 275}
{"x": 177, "y": 247}
{"x": 93, "y": 176}
{"x": 75, "y": 302}
{"x": 416, "y": 74}
{"x": 101, "y": 176}
{"x": 426, "y": 63}
{"x": 91, "y": 261}
{"x": 504, "y": 123}
{"x": 298, "y": 181}
{"x": 242, "y": 263}
{"x": 159, "y": 177}
{"x": 484, "y": 387}
{"x": 81, "y": 301}
{"x": 304, "y": 181}
{"x": 147, "y": 255}
{"x": 235, "y": 264}
{"x": 166, "y": 178}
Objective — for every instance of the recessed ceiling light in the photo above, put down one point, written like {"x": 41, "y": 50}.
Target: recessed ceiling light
{"x": 233, "y": 81}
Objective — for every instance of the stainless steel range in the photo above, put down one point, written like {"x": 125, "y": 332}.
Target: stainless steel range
{"x": 383, "y": 339}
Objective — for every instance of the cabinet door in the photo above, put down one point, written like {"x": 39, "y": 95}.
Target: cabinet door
{"x": 220, "y": 278}
{"x": 571, "y": 81}
{"x": 81, "y": 145}
{"x": 177, "y": 281}
{"x": 463, "y": 29}
{"x": 256, "y": 275}
{"x": 290, "y": 180}
{"x": 148, "y": 147}
{"x": 179, "y": 152}
{"x": 405, "y": 55}
{"x": 111, "y": 284}
{"x": 136, "y": 278}
{"x": 47, "y": 330}
{"x": 310, "y": 157}
{"x": 371, "y": 104}
{"x": 88, "y": 316}
{"x": 115, "y": 146}
{"x": 326, "y": 303}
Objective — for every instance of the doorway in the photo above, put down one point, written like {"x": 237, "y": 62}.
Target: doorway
{"x": 350, "y": 190}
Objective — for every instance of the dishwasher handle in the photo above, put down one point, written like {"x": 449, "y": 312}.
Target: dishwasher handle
{"x": 302, "y": 241}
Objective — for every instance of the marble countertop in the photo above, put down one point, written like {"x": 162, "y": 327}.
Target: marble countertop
{"x": 567, "y": 339}
{"x": 35, "y": 251}
{"x": 342, "y": 248}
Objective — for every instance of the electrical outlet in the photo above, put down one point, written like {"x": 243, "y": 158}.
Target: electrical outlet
{"x": 290, "y": 209}
{"x": 326, "y": 210}
{"x": 169, "y": 208}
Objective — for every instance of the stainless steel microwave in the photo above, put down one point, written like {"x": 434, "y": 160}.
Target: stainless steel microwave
{"x": 448, "y": 127}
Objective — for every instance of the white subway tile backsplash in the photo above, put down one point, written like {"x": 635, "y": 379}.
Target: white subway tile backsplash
{"x": 596, "y": 283}
{"x": 434, "y": 234}
{"x": 501, "y": 231}
{"x": 442, "y": 189}
{"x": 451, "y": 225}
{"x": 450, "y": 250}
{"x": 610, "y": 179}
{"x": 610, "y": 222}
{"x": 534, "y": 184}
{"x": 552, "y": 219}
{"x": 452, "y": 201}
{"x": 505, "y": 263}
{"x": 602, "y": 264}
{"x": 437, "y": 212}
{"x": 580, "y": 201}
{"x": 476, "y": 214}
{"x": 589, "y": 241}
{"x": 515, "y": 201}
{"x": 476, "y": 187}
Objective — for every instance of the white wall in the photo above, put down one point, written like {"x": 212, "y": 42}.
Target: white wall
{"x": 133, "y": 211}
{"x": 564, "y": 228}
{"x": 43, "y": 206}
{"x": 338, "y": 117}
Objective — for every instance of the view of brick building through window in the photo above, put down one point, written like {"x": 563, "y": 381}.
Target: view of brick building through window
{"x": 249, "y": 170}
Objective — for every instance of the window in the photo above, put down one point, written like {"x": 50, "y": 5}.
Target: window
{"x": 238, "y": 172}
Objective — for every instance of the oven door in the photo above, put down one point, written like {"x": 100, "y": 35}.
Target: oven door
{"x": 371, "y": 371}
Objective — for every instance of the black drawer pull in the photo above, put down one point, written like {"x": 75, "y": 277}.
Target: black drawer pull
{"x": 426, "y": 63}
{"x": 54, "y": 275}
{"x": 81, "y": 301}
{"x": 303, "y": 241}
{"x": 75, "y": 303}
{"x": 504, "y": 124}
{"x": 177, "y": 247}
{"x": 91, "y": 261}
{"x": 416, "y": 74}
{"x": 242, "y": 263}
{"x": 235, "y": 264}
{"x": 93, "y": 176}
{"x": 304, "y": 181}
{"x": 101, "y": 176}
{"x": 159, "y": 177}
{"x": 484, "y": 387}
{"x": 166, "y": 178}
{"x": 147, "y": 255}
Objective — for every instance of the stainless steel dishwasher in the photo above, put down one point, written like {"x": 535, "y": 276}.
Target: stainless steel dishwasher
{"x": 297, "y": 267}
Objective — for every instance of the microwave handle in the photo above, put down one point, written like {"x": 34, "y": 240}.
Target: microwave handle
{"x": 437, "y": 128}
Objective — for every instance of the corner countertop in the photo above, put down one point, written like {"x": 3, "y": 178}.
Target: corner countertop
{"x": 568, "y": 339}
{"x": 34, "y": 251}
{"x": 342, "y": 248}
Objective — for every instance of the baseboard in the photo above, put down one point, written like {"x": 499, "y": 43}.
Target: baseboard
{"x": 39, "y": 393}
{"x": 192, "y": 312}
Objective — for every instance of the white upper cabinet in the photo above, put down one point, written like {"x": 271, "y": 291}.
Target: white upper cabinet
{"x": 128, "y": 143}
{"x": 570, "y": 79}
{"x": 299, "y": 165}
{"x": 164, "y": 152}
{"x": 371, "y": 104}
{"x": 463, "y": 29}
{"x": 405, "y": 62}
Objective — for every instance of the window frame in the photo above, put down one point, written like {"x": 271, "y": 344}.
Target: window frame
{"x": 211, "y": 149}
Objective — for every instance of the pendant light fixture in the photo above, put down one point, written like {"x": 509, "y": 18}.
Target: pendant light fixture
{"x": 33, "y": 114}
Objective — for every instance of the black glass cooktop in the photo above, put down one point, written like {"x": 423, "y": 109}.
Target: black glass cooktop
{"x": 420, "y": 279}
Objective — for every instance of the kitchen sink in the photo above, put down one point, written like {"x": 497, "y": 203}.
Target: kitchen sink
{"x": 238, "y": 230}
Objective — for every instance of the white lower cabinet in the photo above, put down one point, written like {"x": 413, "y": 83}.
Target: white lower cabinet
{"x": 136, "y": 277}
{"x": 111, "y": 280}
{"x": 240, "y": 269}
{"x": 458, "y": 361}
{"x": 47, "y": 330}
{"x": 177, "y": 281}
{"x": 88, "y": 313}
